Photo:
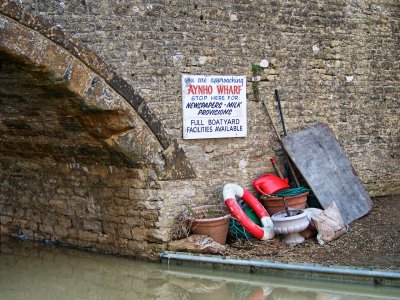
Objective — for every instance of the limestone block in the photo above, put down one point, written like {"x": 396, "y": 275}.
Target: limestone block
{"x": 4, "y": 229}
{"x": 7, "y": 210}
{"x": 109, "y": 228}
{"x": 137, "y": 246}
{"x": 46, "y": 228}
{"x": 64, "y": 221}
{"x": 58, "y": 206}
{"x": 138, "y": 194}
{"x": 140, "y": 233}
{"x": 105, "y": 239}
{"x": 60, "y": 231}
{"x": 124, "y": 231}
{"x": 5, "y": 219}
{"x": 92, "y": 225}
{"x": 132, "y": 221}
{"x": 88, "y": 236}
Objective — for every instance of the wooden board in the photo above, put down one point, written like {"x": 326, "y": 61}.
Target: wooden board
{"x": 327, "y": 170}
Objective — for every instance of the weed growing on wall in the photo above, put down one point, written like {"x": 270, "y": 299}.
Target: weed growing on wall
{"x": 256, "y": 71}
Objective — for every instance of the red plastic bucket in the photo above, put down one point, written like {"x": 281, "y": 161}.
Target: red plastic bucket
{"x": 270, "y": 184}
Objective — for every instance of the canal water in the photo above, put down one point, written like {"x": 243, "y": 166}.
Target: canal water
{"x": 36, "y": 271}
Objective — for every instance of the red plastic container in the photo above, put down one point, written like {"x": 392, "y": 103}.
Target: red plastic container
{"x": 270, "y": 184}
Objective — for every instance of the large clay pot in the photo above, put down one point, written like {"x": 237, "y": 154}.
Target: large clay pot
{"x": 275, "y": 204}
{"x": 211, "y": 220}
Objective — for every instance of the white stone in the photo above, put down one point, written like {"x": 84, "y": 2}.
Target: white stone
{"x": 233, "y": 17}
{"x": 202, "y": 60}
{"x": 177, "y": 56}
{"x": 264, "y": 63}
{"x": 316, "y": 48}
{"x": 243, "y": 165}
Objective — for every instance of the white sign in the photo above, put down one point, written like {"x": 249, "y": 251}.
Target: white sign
{"x": 214, "y": 106}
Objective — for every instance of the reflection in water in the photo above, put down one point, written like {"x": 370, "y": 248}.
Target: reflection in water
{"x": 286, "y": 293}
{"x": 37, "y": 271}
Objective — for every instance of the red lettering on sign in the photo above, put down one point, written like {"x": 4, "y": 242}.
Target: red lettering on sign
{"x": 200, "y": 89}
{"x": 229, "y": 89}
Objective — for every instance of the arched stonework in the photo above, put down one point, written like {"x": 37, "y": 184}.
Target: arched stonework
{"x": 112, "y": 112}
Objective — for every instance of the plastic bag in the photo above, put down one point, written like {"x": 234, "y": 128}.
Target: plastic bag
{"x": 329, "y": 223}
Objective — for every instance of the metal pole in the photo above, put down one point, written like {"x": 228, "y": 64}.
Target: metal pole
{"x": 278, "y": 99}
{"x": 278, "y": 265}
{"x": 280, "y": 142}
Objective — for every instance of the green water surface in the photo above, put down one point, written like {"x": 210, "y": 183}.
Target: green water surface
{"x": 36, "y": 271}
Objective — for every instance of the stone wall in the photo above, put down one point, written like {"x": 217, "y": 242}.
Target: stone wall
{"x": 335, "y": 62}
{"x": 60, "y": 184}
{"x": 86, "y": 207}
{"x": 78, "y": 164}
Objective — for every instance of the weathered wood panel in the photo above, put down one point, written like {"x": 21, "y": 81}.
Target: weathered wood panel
{"x": 327, "y": 170}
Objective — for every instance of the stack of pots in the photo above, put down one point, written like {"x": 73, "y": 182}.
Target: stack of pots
{"x": 275, "y": 204}
{"x": 269, "y": 184}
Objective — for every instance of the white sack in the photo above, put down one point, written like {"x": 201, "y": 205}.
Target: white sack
{"x": 329, "y": 223}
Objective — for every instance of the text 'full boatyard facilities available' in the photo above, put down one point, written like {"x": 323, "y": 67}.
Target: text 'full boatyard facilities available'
{"x": 214, "y": 106}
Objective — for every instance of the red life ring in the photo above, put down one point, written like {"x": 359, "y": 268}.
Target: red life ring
{"x": 230, "y": 192}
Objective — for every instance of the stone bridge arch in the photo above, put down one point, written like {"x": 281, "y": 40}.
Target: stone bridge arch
{"x": 81, "y": 152}
{"x": 112, "y": 111}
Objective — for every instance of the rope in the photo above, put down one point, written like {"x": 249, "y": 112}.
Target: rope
{"x": 291, "y": 192}
{"x": 237, "y": 230}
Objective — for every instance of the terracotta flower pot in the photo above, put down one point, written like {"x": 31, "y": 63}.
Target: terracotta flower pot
{"x": 275, "y": 204}
{"x": 211, "y": 220}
